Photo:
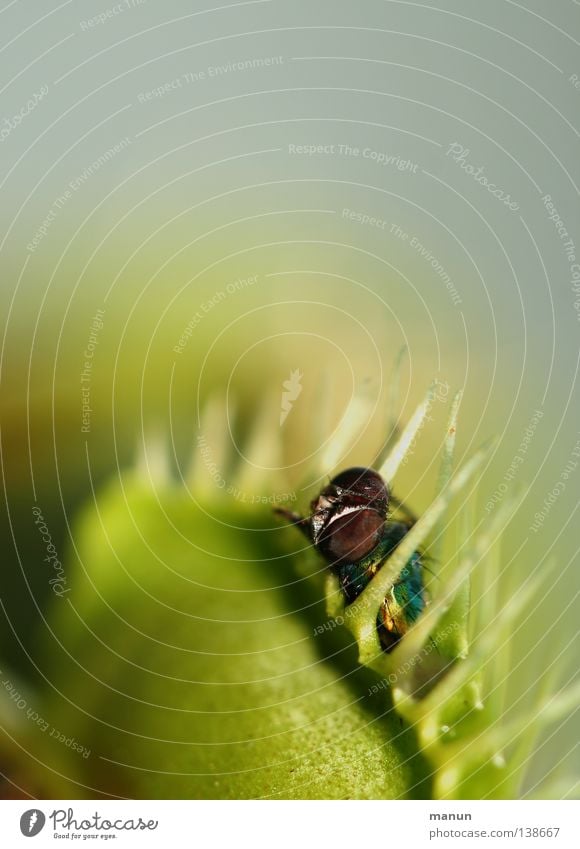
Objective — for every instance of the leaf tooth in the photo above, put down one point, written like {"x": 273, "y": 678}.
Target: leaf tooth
{"x": 393, "y": 428}
{"x": 483, "y": 648}
{"x": 487, "y": 744}
{"x": 395, "y": 387}
{"x": 488, "y": 604}
{"x": 490, "y": 557}
{"x": 390, "y": 466}
{"x": 548, "y": 684}
{"x": 152, "y": 463}
{"x": 486, "y": 644}
{"x": 261, "y": 453}
{"x": 321, "y": 431}
{"x": 448, "y": 452}
{"x": 417, "y": 635}
{"x": 212, "y": 447}
{"x": 348, "y": 431}
{"x": 446, "y": 468}
{"x": 333, "y": 595}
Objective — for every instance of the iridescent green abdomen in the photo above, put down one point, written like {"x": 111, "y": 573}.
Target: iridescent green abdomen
{"x": 405, "y": 600}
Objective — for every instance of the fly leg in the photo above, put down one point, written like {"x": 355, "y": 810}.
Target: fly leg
{"x": 301, "y": 522}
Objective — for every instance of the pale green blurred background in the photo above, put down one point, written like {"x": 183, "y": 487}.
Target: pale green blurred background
{"x": 206, "y": 106}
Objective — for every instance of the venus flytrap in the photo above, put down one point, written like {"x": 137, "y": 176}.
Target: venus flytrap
{"x": 190, "y": 665}
{"x": 435, "y": 674}
{"x": 471, "y": 764}
{"x": 410, "y": 656}
{"x": 198, "y": 669}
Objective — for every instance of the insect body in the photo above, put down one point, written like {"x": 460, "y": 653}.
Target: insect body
{"x": 349, "y": 526}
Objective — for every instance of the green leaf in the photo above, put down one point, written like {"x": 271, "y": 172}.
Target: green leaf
{"x": 190, "y": 666}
